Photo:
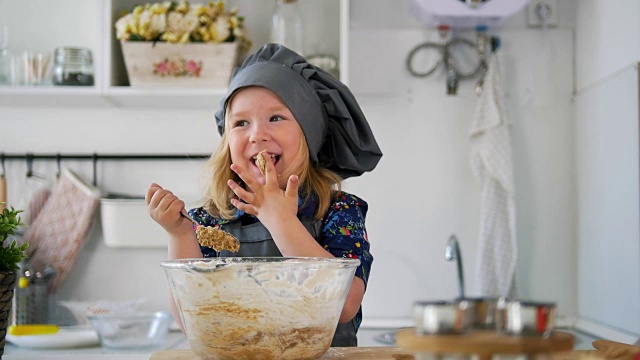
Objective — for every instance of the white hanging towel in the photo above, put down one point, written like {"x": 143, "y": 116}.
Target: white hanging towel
{"x": 492, "y": 164}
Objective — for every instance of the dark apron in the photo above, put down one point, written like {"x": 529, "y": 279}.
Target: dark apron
{"x": 256, "y": 241}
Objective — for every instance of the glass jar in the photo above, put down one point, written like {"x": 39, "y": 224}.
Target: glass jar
{"x": 286, "y": 26}
{"x": 73, "y": 66}
{"x": 326, "y": 62}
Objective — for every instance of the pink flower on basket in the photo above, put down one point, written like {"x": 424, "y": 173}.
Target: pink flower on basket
{"x": 193, "y": 68}
{"x": 160, "y": 68}
{"x": 178, "y": 67}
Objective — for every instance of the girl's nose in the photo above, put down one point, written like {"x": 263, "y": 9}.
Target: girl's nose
{"x": 259, "y": 133}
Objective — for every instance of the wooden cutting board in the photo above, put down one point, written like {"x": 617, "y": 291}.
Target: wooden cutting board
{"x": 484, "y": 342}
{"x": 616, "y": 350}
{"x": 353, "y": 353}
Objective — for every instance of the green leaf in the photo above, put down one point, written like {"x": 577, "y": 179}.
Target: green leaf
{"x": 10, "y": 255}
{"x": 135, "y": 37}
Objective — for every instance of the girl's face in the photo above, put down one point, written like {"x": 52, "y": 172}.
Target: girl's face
{"x": 258, "y": 120}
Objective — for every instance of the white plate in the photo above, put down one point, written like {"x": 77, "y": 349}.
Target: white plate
{"x": 64, "y": 338}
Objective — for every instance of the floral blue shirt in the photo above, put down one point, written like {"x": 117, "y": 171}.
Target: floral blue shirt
{"x": 343, "y": 231}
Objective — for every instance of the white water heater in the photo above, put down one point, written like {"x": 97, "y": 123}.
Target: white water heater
{"x": 464, "y": 13}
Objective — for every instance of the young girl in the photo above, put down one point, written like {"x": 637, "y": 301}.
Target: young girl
{"x": 313, "y": 135}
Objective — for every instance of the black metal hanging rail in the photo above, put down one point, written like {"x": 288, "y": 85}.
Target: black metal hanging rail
{"x": 96, "y": 156}
{"x": 29, "y": 157}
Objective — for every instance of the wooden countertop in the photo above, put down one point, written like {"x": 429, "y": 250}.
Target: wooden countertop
{"x": 607, "y": 350}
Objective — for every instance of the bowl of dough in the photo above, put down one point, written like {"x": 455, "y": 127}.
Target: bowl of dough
{"x": 260, "y": 308}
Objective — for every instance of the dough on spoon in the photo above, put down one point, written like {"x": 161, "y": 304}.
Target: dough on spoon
{"x": 217, "y": 239}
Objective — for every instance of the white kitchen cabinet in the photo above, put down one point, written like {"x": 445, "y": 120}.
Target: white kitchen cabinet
{"x": 91, "y": 24}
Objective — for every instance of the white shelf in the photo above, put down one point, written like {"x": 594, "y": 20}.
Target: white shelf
{"x": 112, "y": 86}
{"x": 125, "y": 96}
{"x": 51, "y": 96}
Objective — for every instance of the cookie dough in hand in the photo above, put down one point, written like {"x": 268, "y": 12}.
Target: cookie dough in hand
{"x": 261, "y": 162}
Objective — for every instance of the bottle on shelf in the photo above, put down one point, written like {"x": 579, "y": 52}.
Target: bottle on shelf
{"x": 287, "y": 27}
{"x": 5, "y": 57}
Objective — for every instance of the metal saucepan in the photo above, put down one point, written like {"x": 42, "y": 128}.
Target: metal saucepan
{"x": 443, "y": 317}
{"x": 525, "y": 317}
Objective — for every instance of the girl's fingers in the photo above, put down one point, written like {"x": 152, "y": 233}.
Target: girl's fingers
{"x": 175, "y": 205}
{"x": 269, "y": 169}
{"x": 246, "y": 177}
{"x": 163, "y": 200}
{"x": 249, "y": 209}
{"x": 156, "y": 198}
{"x": 292, "y": 186}
{"x": 149, "y": 195}
{"x": 239, "y": 191}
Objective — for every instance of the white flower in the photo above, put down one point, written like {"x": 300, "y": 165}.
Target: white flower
{"x": 215, "y": 8}
{"x": 159, "y": 23}
{"x": 182, "y": 7}
{"x": 199, "y": 10}
{"x": 144, "y": 25}
{"x": 220, "y": 29}
{"x": 173, "y": 22}
{"x": 179, "y": 21}
{"x": 125, "y": 26}
{"x": 182, "y": 25}
{"x": 189, "y": 22}
{"x": 151, "y": 25}
{"x": 160, "y": 8}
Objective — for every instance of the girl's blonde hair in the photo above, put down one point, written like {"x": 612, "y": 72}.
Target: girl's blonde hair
{"x": 313, "y": 179}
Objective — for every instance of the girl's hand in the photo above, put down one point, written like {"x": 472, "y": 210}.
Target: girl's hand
{"x": 264, "y": 199}
{"x": 164, "y": 208}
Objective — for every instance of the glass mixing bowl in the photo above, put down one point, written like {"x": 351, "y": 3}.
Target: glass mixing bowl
{"x": 260, "y": 308}
{"x": 132, "y": 331}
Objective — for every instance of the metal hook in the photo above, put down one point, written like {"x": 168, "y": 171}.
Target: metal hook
{"x": 95, "y": 169}
{"x": 58, "y": 161}
{"x": 29, "y": 158}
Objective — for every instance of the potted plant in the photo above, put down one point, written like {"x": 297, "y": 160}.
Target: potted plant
{"x": 178, "y": 44}
{"x": 10, "y": 255}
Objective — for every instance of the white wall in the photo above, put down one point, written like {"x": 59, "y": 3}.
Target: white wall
{"x": 421, "y": 192}
{"x": 608, "y": 51}
{"x": 608, "y": 38}
{"x": 424, "y": 135}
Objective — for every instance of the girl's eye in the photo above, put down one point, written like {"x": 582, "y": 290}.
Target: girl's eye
{"x": 239, "y": 123}
{"x": 276, "y": 118}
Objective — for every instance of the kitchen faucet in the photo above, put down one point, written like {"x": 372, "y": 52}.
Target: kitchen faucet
{"x": 452, "y": 252}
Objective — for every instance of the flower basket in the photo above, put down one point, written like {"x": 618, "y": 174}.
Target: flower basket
{"x": 193, "y": 65}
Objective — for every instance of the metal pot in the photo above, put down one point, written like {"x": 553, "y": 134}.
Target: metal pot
{"x": 443, "y": 317}
{"x": 525, "y": 317}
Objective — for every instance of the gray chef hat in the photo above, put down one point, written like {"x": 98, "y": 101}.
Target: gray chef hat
{"x": 338, "y": 135}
